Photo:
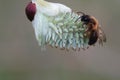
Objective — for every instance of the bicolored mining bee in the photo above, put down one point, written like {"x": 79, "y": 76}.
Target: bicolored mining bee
{"x": 94, "y": 31}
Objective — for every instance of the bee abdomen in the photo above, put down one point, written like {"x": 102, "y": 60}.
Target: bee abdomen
{"x": 93, "y": 37}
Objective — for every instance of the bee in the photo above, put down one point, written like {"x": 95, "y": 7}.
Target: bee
{"x": 94, "y": 32}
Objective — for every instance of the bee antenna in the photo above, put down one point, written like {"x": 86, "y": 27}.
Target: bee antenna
{"x": 80, "y": 12}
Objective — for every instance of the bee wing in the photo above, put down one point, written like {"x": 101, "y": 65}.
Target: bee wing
{"x": 102, "y": 36}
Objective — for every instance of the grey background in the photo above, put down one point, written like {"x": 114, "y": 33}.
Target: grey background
{"x": 22, "y": 59}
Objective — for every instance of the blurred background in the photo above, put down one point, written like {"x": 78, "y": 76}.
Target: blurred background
{"x": 22, "y": 59}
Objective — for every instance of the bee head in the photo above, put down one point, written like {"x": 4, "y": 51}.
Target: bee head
{"x": 85, "y": 18}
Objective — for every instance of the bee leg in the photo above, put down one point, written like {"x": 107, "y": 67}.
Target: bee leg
{"x": 77, "y": 19}
{"x": 100, "y": 42}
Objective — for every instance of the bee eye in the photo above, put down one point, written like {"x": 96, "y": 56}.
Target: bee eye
{"x": 86, "y": 19}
